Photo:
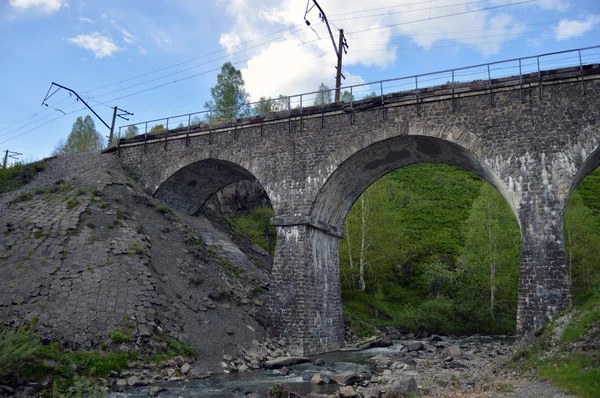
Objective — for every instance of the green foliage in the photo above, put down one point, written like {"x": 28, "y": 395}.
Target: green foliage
{"x": 118, "y": 336}
{"x": 17, "y": 348}
{"x": 347, "y": 97}
{"x": 265, "y": 105}
{"x": 323, "y": 96}
{"x": 19, "y": 174}
{"x": 279, "y": 391}
{"x": 253, "y": 224}
{"x": 83, "y": 138}
{"x": 426, "y": 258}
{"x": 229, "y": 95}
{"x": 577, "y": 374}
{"x": 178, "y": 348}
{"x": 581, "y": 230}
{"x": 157, "y": 129}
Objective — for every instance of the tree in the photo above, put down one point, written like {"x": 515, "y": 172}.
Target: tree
{"x": 347, "y": 97}
{"x": 323, "y": 96}
{"x": 229, "y": 96}
{"x": 130, "y": 132}
{"x": 265, "y": 105}
{"x": 157, "y": 129}
{"x": 83, "y": 138}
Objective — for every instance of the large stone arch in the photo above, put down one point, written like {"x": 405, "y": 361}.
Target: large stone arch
{"x": 316, "y": 292}
{"x": 188, "y": 188}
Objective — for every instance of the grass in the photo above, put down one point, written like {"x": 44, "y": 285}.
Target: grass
{"x": 19, "y": 174}
{"x": 253, "y": 224}
{"x": 118, "y": 336}
{"x": 576, "y": 374}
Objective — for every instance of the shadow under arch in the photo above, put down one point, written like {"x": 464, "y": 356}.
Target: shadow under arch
{"x": 589, "y": 164}
{"x": 188, "y": 189}
{"x": 359, "y": 171}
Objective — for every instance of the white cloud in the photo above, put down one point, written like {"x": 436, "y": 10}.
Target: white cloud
{"x": 102, "y": 46}
{"x": 375, "y": 30}
{"x": 162, "y": 39}
{"x": 127, "y": 37}
{"x": 569, "y": 28}
{"x": 42, "y": 5}
{"x": 86, "y": 20}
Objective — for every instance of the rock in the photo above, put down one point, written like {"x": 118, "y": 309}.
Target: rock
{"x": 284, "y": 371}
{"x": 385, "y": 342}
{"x": 407, "y": 385}
{"x": 152, "y": 391}
{"x": 227, "y": 357}
{"x": 6, "y": 389}
{"x": 179, "y": 360}
{"x": 454, "y": 351}
{"x": 319, "y": 362}
{"x": 113, "y": 374}
{"x": 243, "y": 368}
{"x": 185, "y": 368}
{"x": 416, "y": 346}
{"x": 285, "y": 361}
{"x": 170, "y": 372}
{"x": 410, "y": 362}
{"x": 346, "y": 378}
{"x": 132, "y": 380}
{"x": 435, "y": 337}
{"x": 457, "y": 365}
{"x": 348, "y": 392}
{"x": 319, "y": 378}
{"x": 121, "y": 382}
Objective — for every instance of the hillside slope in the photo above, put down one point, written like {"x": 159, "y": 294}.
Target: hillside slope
{"x": 85, "y": 255}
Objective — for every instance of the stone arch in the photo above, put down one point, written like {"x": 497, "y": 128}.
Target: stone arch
{"x": 188, "y": 188}
{"x": 353, "y": 176}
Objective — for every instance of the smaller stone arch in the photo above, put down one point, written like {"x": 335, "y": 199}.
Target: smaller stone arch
{"x": 366, "y": 166}
{"x": 188, "y": 189}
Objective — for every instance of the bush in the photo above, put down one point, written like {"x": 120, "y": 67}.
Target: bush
{"x": 17, "y": 347}
{"x": 252, "y": 225}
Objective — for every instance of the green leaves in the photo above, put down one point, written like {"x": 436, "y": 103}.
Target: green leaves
{"x": 83, "y": 138}
{"x": 229, "y": 95}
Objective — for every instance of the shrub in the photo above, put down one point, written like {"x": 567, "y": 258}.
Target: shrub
{"x": 17, "y": 347}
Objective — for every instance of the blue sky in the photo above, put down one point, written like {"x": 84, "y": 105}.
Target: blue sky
{"x": 119, "y": 52}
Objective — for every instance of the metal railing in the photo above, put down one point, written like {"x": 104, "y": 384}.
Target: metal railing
{"x": 488, "y": 73}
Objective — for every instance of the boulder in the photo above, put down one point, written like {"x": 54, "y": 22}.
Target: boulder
{"x": 347, "y": 392}
{"x": 416, "y": 346}
{"x": 385, "y": 342}
{"x": 185, "y": 368}
{"x": 284, "y": 371}
{"x": 435, "y": 337}
{"x": 346, "y": 378}
{"x": 285, "y": 361}
{"x": 457, "y": 365}
{"x": 454, "y": 351}
{"x": 154, "y": 390}
{"x": 406, "y": 385}
{"x": 319, "y": 362}
{"x": 319, "y": 378}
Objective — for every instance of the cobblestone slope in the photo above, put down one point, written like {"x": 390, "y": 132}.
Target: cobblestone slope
{"x": 85, "y": 253}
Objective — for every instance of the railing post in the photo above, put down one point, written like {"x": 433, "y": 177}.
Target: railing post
{"x": 382, "y": 99}
{"x": 351, "y": 107}
{"x": 290, "y": 113}
{"x": 301, "y": 119}
{"x": 417, "y": 91}
{"x": 187, "y": 134}
{"x": 581, "y": 72}
{"x": 453, "y": 89}
{"x": 166, "y": 133}
{"x": 521, "y": 81}
{"x": 539, "y": 73}
{"x": 146, "y": 137}
{"x": 210, "y": 127}
{"x": 490, "y": 86}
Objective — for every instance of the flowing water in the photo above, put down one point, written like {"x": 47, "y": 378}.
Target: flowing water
{"x": 238, "y": 385}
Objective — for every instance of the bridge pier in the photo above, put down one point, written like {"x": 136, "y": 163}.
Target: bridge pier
{"x": 305, "y": 299}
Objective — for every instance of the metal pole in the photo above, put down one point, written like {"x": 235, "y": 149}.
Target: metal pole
{"x": 112, "y": 127}
{"x": 5, "y": 159}
{"x": 581, "y": 71}
{"x": 338, "y": 76}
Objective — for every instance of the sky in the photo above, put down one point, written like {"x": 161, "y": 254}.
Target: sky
{"x": 159, "y": 58}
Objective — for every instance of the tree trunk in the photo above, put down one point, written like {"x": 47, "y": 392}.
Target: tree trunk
{"x": 363, "y": 236}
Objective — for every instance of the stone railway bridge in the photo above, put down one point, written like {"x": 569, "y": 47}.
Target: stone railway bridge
{"x": 534, "y": 138}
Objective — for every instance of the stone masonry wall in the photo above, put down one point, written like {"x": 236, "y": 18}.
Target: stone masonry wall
{"x": 530, "y": 144}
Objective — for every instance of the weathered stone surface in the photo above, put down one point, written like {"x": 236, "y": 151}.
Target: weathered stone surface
{"x": 346, "y": 378}
{"x": 532, "y": 141}
{"x": 348, "y": 392}
{"x": 416, "y": 346}
{"x": 319, "y": 378}
{"x": 284, "y": 361}
{"x": 454, "y": 351}
{"x": 407, "y": 385}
